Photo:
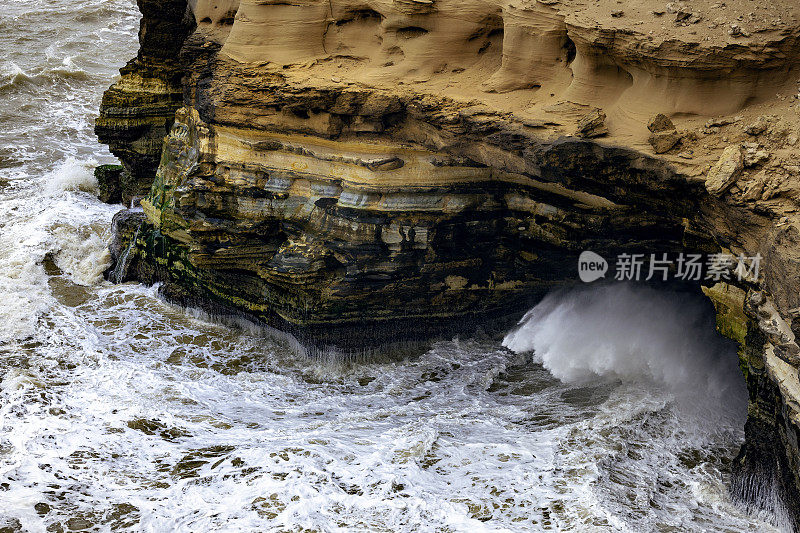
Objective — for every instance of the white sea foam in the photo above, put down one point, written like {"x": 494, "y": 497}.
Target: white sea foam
{"x": 72, "y": 175}
{"x": 135, "y": 415}
{"x": 82, "y": 253}
{"x": 69, "y": 225}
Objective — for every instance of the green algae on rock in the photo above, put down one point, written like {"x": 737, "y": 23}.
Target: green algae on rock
{"x": 386, "y": 174}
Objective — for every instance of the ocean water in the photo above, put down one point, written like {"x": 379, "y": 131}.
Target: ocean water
{"x": 617, "y": 409}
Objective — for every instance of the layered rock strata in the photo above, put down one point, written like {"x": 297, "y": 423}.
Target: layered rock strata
{"x": 374, "y": 171}
{"x": 137, "y": 111}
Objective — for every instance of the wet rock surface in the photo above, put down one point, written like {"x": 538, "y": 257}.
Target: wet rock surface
{"x": 137, "y": 111}
{"x": 384, "y": 174}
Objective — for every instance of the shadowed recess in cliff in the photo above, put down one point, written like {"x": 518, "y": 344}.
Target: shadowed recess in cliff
{"x": 629, "y": 333}
{"x": 634, "y": 334}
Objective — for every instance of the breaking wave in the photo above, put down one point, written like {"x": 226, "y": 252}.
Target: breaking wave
{"x": 121, "y": 412}
{"x": 629, "y": 333}
{"x": 72, "y": 175}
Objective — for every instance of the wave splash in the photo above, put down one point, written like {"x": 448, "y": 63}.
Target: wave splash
{"x": 662, "y": 347}
{"x": 628, "y": 333}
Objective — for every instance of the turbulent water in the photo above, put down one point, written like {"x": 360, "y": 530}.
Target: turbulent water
{"x": 612, "y": 410}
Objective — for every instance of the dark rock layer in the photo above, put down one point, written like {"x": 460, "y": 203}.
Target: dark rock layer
{"x": 137, "y": 111}
{"x": 355, "y": 215}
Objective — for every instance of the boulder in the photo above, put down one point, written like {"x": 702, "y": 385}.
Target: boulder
{"x": 660, "y": 122}
{"x": 664, "y": 141}
{"x": 592, "y": 124}
{"x": 726, "y": 171}
{"x": 758, "y": 127}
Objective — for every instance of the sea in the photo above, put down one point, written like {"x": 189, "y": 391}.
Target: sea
{"x": 613, "y": 408}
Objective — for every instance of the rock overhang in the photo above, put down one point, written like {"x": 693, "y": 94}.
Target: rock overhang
{"x": 385, "y": 167}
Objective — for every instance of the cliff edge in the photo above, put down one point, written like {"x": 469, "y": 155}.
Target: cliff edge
{"x": 363, "y": 172}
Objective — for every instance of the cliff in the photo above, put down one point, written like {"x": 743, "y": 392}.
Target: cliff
{"x": 365, "y": 172}
{"x": 137, "y": 111}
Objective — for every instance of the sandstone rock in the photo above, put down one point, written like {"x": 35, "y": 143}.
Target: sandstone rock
{"x": 754, "y": 154}
{"x": 736, "y": 31}
{"x": 790, "y": 168}
{"x": 351, "y": 161}
{"x": 281, "y": 194}
{"x": 664, "y": 141}
{"x": 415, "y": 7}
{"x": 726, "y": 171}
{"x": 756, "y": 299}
{"x": 136, "y": 112}
{"x": 382, "y": 165}
{"x": 770, "y": 327}
{"x": 592, "y": 124}
{"x": 772, "y": 187}
{"x": 788, "y": 352}
{"x": 718, "y": 122}
{"x": 675, "y": 7}
{"x": 755, "y": 187}
{"x": 659, "y": 123}
{"x": 758, "y": 127}
{"x": 683, "y": 14}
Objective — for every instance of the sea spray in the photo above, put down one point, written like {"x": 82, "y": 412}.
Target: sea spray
{"x": 82, "y": 253}
{"x": 125, "y": 413}
{"x": 71, "y": 175}
{"x": 633, "y": 333}
{"x": 651, "y": 341}
{"x": 758, "y": 492}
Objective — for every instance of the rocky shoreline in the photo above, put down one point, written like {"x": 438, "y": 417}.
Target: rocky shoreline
{"x": 364, "y": 174}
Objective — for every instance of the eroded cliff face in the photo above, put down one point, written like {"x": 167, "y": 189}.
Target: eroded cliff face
{"x": 138, "y": 110}
{"x": 363, "y": 172}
